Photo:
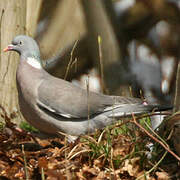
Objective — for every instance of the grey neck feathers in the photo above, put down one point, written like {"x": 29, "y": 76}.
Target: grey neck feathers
{"x": 33, "y": 54}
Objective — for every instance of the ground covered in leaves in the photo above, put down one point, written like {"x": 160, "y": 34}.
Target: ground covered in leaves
{"x": 117, "y": 152}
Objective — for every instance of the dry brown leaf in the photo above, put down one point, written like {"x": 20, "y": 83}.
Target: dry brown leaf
{"x": 162, "y": 176}
{"x": 52, "y": 163}
{"x": 131, "y": 166}
{"x": 98, "y": 163}
{"x": 122, "y": 151}
{"x": 147, "y": 177}
{"x": 56, "y": 151}
{"x": 80, "y": 175}
{"x": 101, "y": 176}
{"x": 43, "y": 162}
{"x": 20, "y": 174}
{"x": 92, "y": 171}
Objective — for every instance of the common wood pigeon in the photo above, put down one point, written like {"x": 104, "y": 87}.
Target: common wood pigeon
{"x": 54, "y": 105}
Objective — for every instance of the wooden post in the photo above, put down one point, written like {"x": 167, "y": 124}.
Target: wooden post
{"x": 32, "y": 16}
{"x": 12, "y": 23}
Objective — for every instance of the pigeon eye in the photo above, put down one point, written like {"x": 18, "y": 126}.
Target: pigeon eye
{"x": 20, "y": 43}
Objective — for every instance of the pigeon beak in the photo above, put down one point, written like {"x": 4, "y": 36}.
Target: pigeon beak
{"x": 9, "y": 48}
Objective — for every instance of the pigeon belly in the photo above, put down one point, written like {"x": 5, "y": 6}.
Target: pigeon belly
{"x": 27, "y": 96}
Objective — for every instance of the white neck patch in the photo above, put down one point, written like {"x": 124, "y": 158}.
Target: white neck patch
{"x": 34, "y": 63}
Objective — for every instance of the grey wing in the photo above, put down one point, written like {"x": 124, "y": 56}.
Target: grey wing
{"x": 126, "y": 100}
{"x": 65, "y": 99}
{"x": 50, "y": 109}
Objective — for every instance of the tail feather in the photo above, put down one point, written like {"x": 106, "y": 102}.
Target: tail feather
{"x": 162, "y": 107}
{"x": 127, "y": 110}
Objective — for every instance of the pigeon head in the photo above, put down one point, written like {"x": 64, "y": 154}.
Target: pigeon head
{"x": 25, "y": 46}
{"x": 28, "y": 50}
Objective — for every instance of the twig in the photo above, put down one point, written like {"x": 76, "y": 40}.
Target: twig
{"x": 74, "y": 63}
{"x": 89, "y": 138}
{"x": 80, "y": 152}
{"x": 42, "y": 174}
{"x": 137, "y": 118}
{"x": 71, "y": 59}
{"x": 130, "y": 90}
{"x": 101, "y": 63}
{"x": 88, "y": 103}
{"x": 111, "y": 159}
{"x": 141, "y": 94}
{"x": 155, "y": 139}
{"x": 72, "y": 150}
{"x": 100, "y": 137}
{"x": 156, "y": 134}
{"x": 152, "y": 114}
{"x": 25, "y": 164}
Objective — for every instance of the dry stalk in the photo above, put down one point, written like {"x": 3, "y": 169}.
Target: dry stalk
{"x": 88, "y": 102}
{"x": 71, "y": 59}
{"x": 25, "y": 164}
{"x": 101, "y": 64}
{"x": 74, "y": 63}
